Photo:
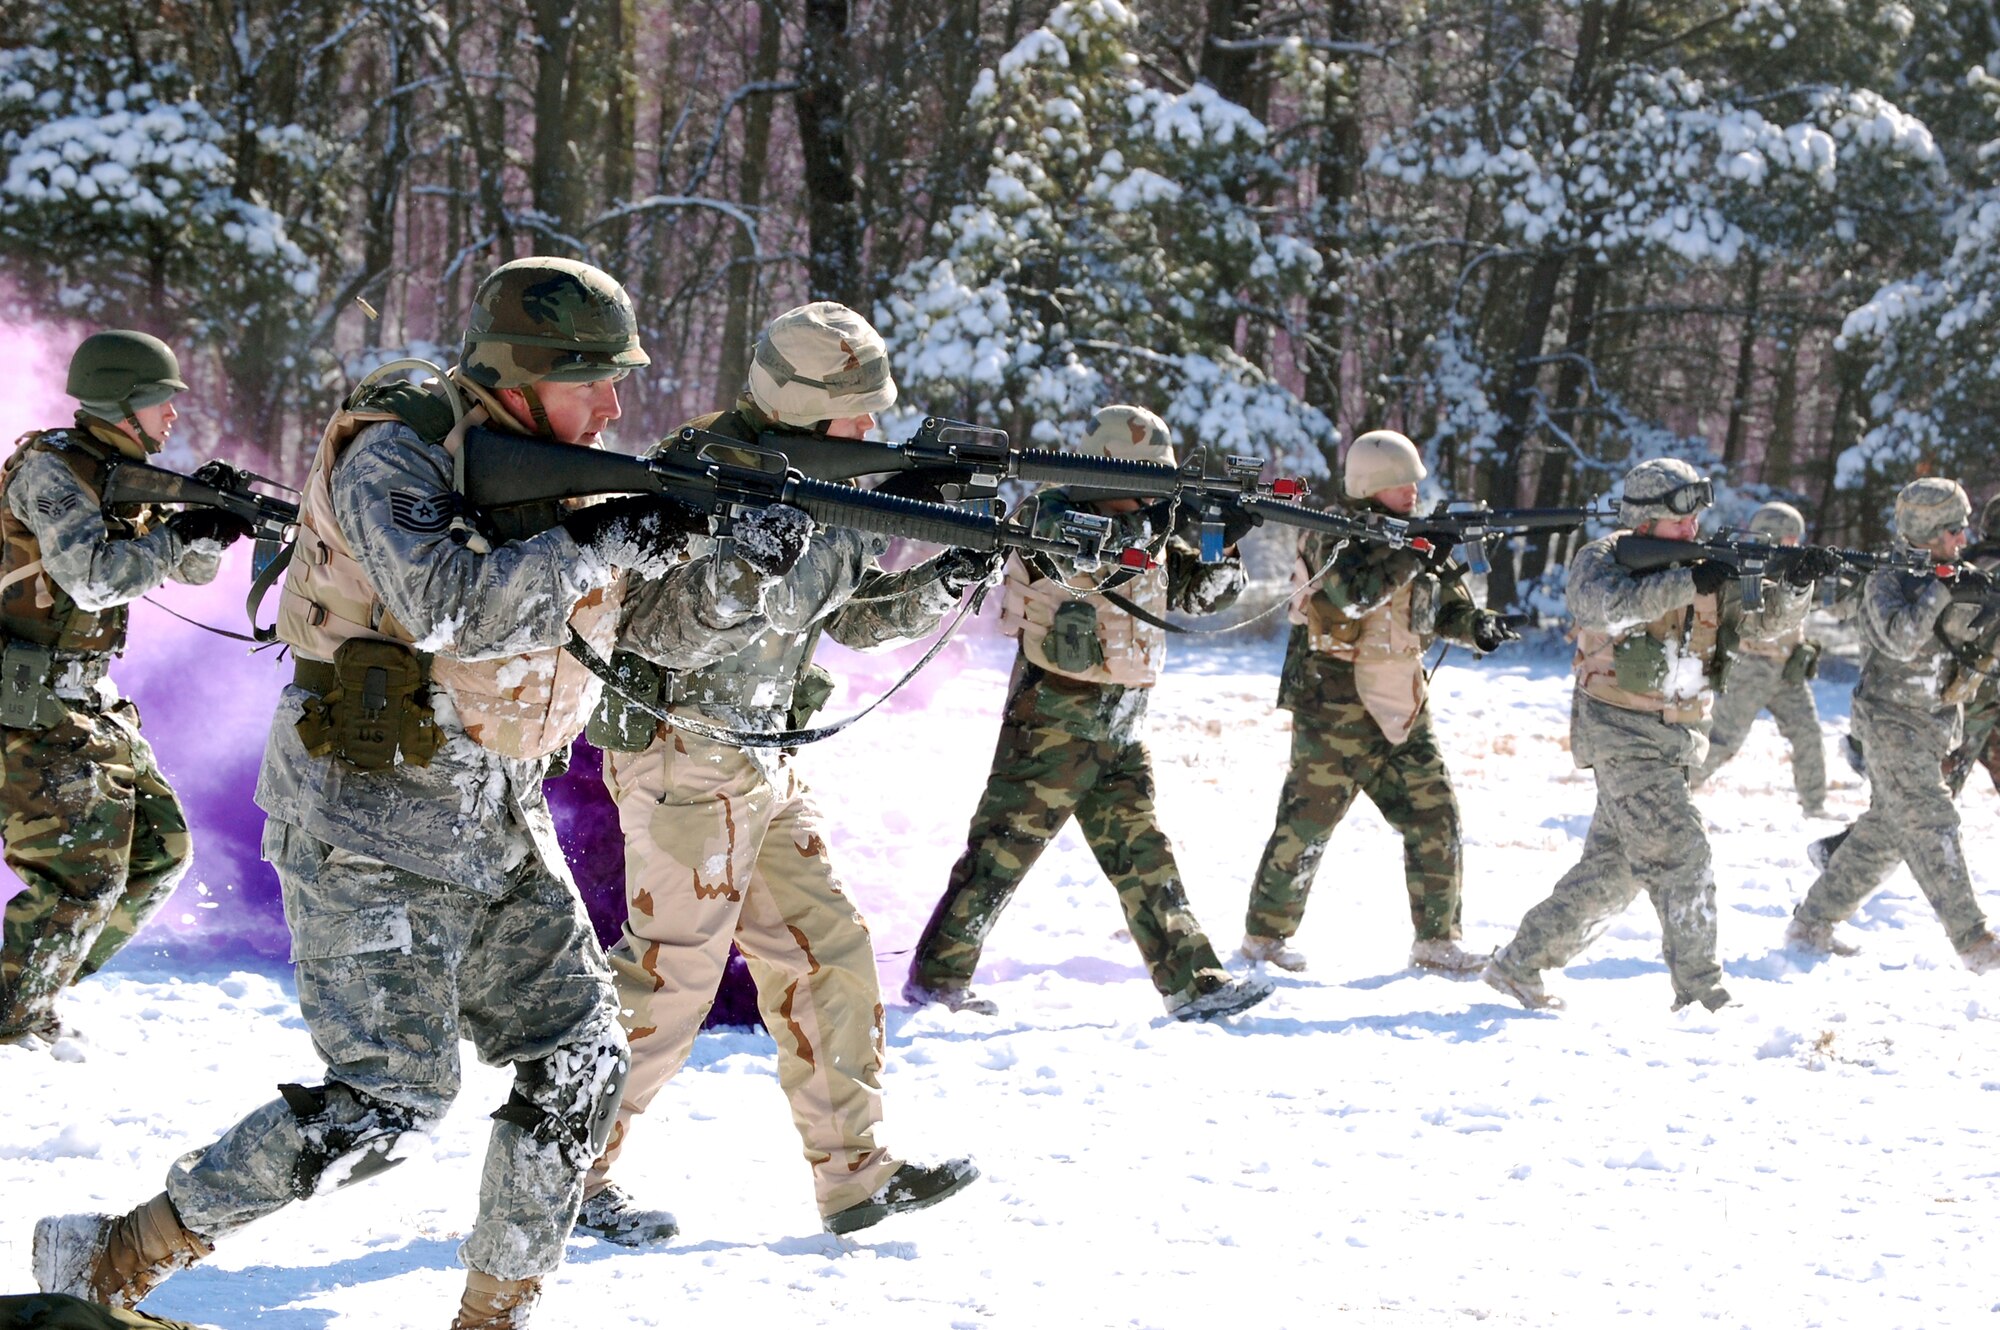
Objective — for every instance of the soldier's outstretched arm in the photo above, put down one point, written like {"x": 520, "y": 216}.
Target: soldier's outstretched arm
{"x": 1457, "y": 612}
{"x": 392, "y": 496}
{"x": 1365, "y": 574}
{"x": 78, "y": 551}
{"x": 1902, "y": 624}
{"x": 889, "y": 609}
{"x": 1605, "y": 596}
{"x": 826, "y": 574}
{"x": 698, "y": 613}
{"x": 1194, "y": 587}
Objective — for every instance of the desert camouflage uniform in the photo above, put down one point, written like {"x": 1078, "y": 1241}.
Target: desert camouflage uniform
{"x": 727, "y": 844}
{"x": 1907, "y": 732}
{"x": 430, "y": 903}
{"x": 92, "y": 827}
{"x": 1071, "y": 748}
{"x": 1774, "y": 680}
{"x": 1339, "y": 751}
{"x": 1645, "y": 834}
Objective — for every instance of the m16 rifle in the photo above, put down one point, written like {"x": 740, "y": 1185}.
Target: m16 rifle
{"x": 1752, "y": 561}
{"x": 214, "y": 485}
{"x": 1452, "y": 524}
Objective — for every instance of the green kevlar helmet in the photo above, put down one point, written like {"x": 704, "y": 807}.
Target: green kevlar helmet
{"x": 548, "y": 320}
{"x": 117, "y": 373}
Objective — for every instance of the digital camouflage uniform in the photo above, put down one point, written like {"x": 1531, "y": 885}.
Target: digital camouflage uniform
{"x": 1645, "y": 833}
{"x": 1339, "y": 749}
{"x": 1980, "y": 745}
{"x": 728, "y": 844}
{"x": 1073, "y": 747}
{"x": 92, "y": 829}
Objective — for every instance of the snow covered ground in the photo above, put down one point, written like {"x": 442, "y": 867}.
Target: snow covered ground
{"x": 1368, "y": 1148}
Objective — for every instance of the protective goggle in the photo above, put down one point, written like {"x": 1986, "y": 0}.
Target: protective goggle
{"x": 1692, "y": 497}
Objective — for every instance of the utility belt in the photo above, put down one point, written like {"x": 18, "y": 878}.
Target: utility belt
{"x": 371, "y": 705}
{"x": 622, "y": 727}
{"x": 28, "y": 675}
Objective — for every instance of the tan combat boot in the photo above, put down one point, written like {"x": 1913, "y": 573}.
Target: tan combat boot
{"x": 1441, "y": 955}
{"x": 496, "y": 1304}
{"x": 114, "y": 1260}
{"x": 1271, "y": 951}
{"x": 1983, "y": 956}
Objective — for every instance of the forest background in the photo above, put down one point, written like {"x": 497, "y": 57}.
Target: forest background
{"x": 1546, "y": 239}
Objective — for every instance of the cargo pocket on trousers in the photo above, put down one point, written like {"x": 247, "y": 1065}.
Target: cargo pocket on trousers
{"x": 326, "y": 937}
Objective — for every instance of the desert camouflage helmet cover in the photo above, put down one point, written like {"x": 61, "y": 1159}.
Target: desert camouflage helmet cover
{"x": 1380, "y": 460}
{"x": 1777, "y": 521}
{"x": 1131, "y": 433}
{"x": 1647, "y": 486}
{"x": 118, "y": 371}
{"x": 1927, "y": 508}
{"x": 548, "y": 320}
{"x": 820, "y": 362}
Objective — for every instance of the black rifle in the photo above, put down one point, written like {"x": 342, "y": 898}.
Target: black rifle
{"x": 1753, "y": 561}
{"x": 219, "y": 486}
{"x": 1450, "y": 525}
{"x": 516, "y": 485}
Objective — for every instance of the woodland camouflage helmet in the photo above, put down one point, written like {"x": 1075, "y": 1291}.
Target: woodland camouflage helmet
{"x": 820, "y": 362}
{"x": 116, "y": 374}
{"x": 548, "y": 320}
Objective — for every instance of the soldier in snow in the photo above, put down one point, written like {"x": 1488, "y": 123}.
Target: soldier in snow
{"x": 425, "y": 893}
{"x": 1354, "y": 682}
{"x": 1070, "y": 746}
{"x": 92, "y": 827}
{"x": 1774, "y": 675}
{"x": 725, "y": 843}
{"x": 1650, "y": 650}
{"x": 1909, "y": 719}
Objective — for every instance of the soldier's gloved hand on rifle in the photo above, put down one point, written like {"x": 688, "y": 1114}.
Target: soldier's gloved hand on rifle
{"x": 644, "y": 535}
{"x": 1490, "y": 631}
{"x": 1711, "y": 575}
{"x": 1970, "y": 583}
{"x": 958, "y": 570}
{"x": 211, "y": 524}
{"x": 219, "y": 474}
{"x": 772, "y": 539}
{"x": 1809, "y": 565}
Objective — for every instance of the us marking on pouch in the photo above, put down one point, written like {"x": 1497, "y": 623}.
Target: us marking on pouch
{"x": 421, "y": 514}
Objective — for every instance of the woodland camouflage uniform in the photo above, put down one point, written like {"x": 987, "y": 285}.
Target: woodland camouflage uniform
{"x": 92, "y": 828}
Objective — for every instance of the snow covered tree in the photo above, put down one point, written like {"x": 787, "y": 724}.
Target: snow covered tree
{"x": 1109, "y": 254}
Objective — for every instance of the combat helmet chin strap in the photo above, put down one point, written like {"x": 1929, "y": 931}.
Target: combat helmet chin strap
{"x": 535, "y": 410}
{"x": 146, "y": 439}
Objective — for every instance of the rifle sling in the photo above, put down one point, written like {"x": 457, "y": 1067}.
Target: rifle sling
{"x": 260, "y": 586}
{"x": 1145, "y": 615}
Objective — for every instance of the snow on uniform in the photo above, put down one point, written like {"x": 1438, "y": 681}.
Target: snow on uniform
{"x": 1774, "y": 676}
{"x": 1641, "y": 738}
{"x": 92, "y": 829}
{"x": 1353, "y": 680}
{"x": 1070, "y": 745}
{"x": 1907, "y": 732}
{"x": 727, "y": 844}
{"x": 429, "y": 903}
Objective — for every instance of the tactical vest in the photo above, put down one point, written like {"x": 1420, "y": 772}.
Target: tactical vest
{"x": 33, "y": 607}
{"x": 522, "y": 706}
{"x": 1646, "y": 668}
{"x": 1780, "y": 647}
{"x": 1385, "y": 646}
{"x": 1131, "y": 650}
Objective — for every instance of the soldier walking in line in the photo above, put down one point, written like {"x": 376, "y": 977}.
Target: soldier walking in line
{"x": 1650, "y": 650}
{"x": 726, "y": 843}
{"x": 1776, "y": 676}
{"x": 1980, "y": 745}
{"x": 1071, "y": 745}
{"x": 93, "y": 830}
{"x": 1910, "y": 622}
{"x": 425, "y": 893}
{"x": 1355, "y": 684}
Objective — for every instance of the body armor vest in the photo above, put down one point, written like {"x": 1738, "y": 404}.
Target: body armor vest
{"x": 1130, "y": 651}
{"x": 1671, "y": 666}
{"x": 33, "y": 608}
{"x": 521, "y": 706}
{"x": 1385, "y": 646}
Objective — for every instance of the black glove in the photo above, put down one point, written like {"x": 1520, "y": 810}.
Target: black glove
{"x": 958, "y": 569}
{"x": 193, "y": 524}
{"x": 1489, "y": 631}
{"x": 1711, "y": 575}
{"x": 644, "y": 534}
{"x": 925, "y": 485}
{"x": 772, "y": 539}
{"x": 1970, "y": 584}
{"x": 219, "y": 474}
{"x": 1808, "y": 565}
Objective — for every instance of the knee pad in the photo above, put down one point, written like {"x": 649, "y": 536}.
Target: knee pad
{"x": 570, "y": 1098}
{"x": 346, "y": 1133}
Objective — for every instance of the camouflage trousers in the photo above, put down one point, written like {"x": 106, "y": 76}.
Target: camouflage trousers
{"x": 1041, "y": 778}
{"x": 393, "y": 970}
{"x": 1645, "y": 835}
{"x": 99, "y": 841}
{"x": 1338, "y": 752}
{"x": 1910, "y": 819}
{"x": 1756, "y": 684}
{"x": 716, "y": 852}
{"x": 1980, "y": 746}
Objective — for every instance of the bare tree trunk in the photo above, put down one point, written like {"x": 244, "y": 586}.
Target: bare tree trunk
{"x": 744, "y": 277}
{"x": 621, "y": 103}
{"x": 1340, "y": 158}
{"x": 554, "y": 186}
{"x": 1746, "y": 372}
{"x": 1780, "y": 448}
{"x": 833, "y": 216}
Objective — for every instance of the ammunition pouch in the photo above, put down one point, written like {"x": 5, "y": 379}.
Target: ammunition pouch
{"x": 1639, "y": 663}
{"x": 810, "y": 695}
{"x": 372, "y": 706}
{"x": 28, "y": 698}
{"x": 1802, "y": 664}
{"x": 619, "y": 726}
{"x": 1072, "y": 644}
